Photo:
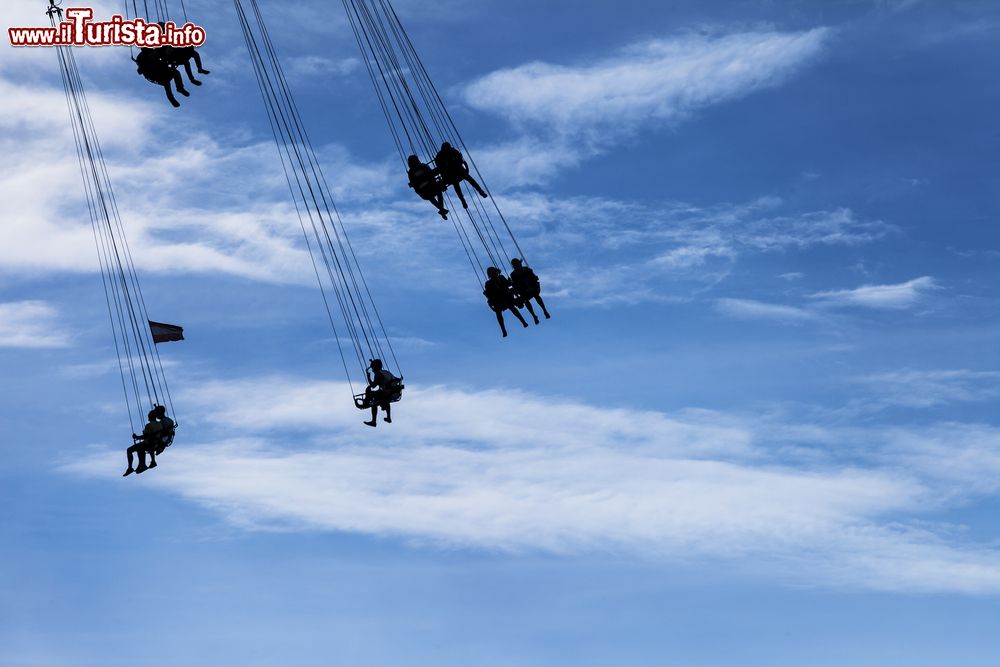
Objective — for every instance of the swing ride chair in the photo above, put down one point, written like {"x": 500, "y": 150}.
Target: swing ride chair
{"x": 165, "y": 440}
{"x": 366, "y": 400}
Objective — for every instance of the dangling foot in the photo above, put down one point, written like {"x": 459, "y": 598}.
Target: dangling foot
{"x": 371, "y": 423}
{"x": 388, "y": 420}
{"x": 142, "y": 468}
{"x": 443, "y": 213}
{"x": 175, "y": 103}
{"x": 483, "y": 194}
{"x": 128, "y": 472}
{"x": 504, "y": 333}
{"x": 152, "y": 465}
{"x": 465, "y": 204}
{"x": 196, "y": 82}
{"x": 536, "y": 319}
{"x": 184, "y": 92}
{"x": 203, "y": 71}
{"x": 547, "y": 316}
{"x": 524, "y": 324}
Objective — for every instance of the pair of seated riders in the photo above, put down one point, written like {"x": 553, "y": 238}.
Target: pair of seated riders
{"x": 159, "y": 65}
{"x": 450, "y": 169}
{"x": 157, "y": 435}
{"x": 510, "y": 294}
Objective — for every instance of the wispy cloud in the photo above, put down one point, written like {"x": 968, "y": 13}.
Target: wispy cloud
{"x": 249, "y": 228}
{"x": 893, "y": 296}
{"x": 597, "y": 250}
{"x": 308, "y": 67}
{"x": 659, "y": 80}
{"x": 569, "y": 113}
{"x": 31, "y": 324}
{"x": 929, "y": 388}
{"x": 568, "y": 478}
{"x": 754, "y": 310}
{"x": 629, "y": 253}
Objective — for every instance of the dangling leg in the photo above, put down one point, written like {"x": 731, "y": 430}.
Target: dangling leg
{"x": 387, "y": 408}
{"x": 503, "y": 327}
{"x": 197, "y": 62}
{"x": 461, "y": 195}
{"x": 179, "y": 82}
{"x": 187, "y": 69}
{"x": 130, "y": 452}
{"x": 438, "y": 200}
{"x": 472, "y": 181}
{"x": 141, "y": 449}
{"x": 538, "y": 298}
{"x": 527, "y": 304}
{"x": 517, "y": 314}
{"x": 152, "y": 458}
{"x": 170, "y": 95}
{"x": 370, "y": 398}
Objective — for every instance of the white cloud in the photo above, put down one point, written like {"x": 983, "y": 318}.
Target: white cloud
{"x": 659, "y": 80}
{"x": 568, "y": 114}
{"x": 630, "y": 253}
{"x": 929, "y": 388}
{"x": 198, "y": 217}
{"x": 223, "y": 208}
{"x": 895, "y": 296}
{"x": 30, "y": 324}
{"x": 249, "y": 228}
{"x": 752, "y": 310}
{"x": 512, "y": 471}
{"x": 310, "y": 66}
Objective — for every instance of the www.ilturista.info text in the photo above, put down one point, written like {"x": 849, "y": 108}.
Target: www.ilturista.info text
{"x": 77, "y": 29}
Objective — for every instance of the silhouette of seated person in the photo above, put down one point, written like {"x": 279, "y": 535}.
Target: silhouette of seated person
{"x": 178, "y": 56}
{"x": 454, "y": 169}
{"x": 500, "y": 296}
{"x": 526, "y": 287}
{"x": 425, "y": 182}
{"x": 382, "y": 388}
{"x": 151, "y": 64}
{"x": 156, "y": 436}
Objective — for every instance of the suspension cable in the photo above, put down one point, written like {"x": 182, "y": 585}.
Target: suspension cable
{"x": 335, "y": 262}
{"x": 418, "y": 118}
{"x": 143, "y": 380}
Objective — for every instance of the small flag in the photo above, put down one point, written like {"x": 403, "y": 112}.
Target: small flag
{"x": 165, "y": 333}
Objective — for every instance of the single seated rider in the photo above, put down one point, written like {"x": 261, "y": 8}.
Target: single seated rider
{"x": 151, "y": 64}
{"x": 500, "y": 296}
{"x": 387, "y": 386}
{"x": 454, "y": 169}
{"x": 526, "y": 287}
{"x": 156, "y": 436}
{"x": 424, "y": 181}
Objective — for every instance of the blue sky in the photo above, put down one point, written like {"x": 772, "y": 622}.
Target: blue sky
{"x": 760, "y": 429}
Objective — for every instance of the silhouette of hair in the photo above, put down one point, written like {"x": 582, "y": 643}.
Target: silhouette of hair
{"x": 516, "y": 263}
{"x": 445, "y": 145}
{"x": 376, "y": 364}
{"x": 493, "y": 272}
{"x": 413, "y": 160}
